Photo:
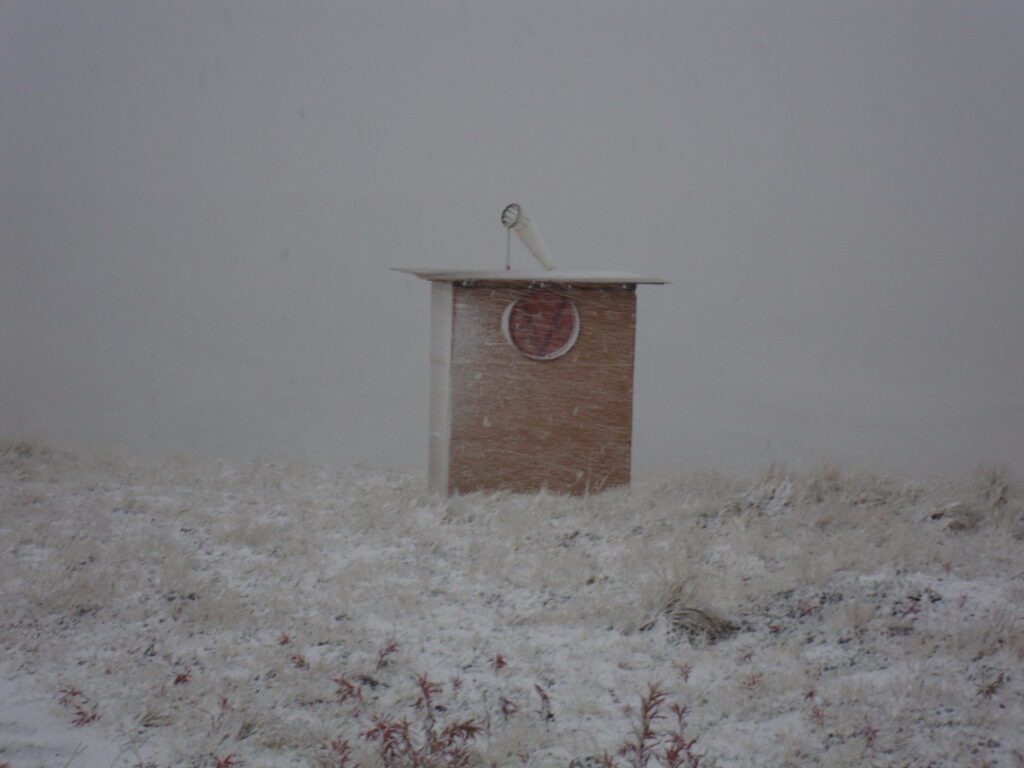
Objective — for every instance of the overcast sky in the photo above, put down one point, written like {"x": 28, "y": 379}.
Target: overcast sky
{"x": 200, "y": 201}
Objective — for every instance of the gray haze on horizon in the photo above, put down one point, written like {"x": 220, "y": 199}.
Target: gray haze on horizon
{"x": 200, "y": 202}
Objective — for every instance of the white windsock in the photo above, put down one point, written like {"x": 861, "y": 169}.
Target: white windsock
{"x": 514, "y": 218}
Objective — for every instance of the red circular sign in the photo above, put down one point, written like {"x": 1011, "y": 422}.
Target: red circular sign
{"x": 542, "y": 324}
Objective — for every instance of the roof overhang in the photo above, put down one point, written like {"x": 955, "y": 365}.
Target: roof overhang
{"x": 533, "y": 276}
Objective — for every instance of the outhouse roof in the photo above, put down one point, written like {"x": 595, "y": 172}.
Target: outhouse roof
{"x": 530, "y": 276}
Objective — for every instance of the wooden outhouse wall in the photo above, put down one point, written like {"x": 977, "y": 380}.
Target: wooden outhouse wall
{"x": 500, "y": 420}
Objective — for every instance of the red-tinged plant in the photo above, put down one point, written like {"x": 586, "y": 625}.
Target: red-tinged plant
{"x": 451, "y": 745}
{"x": 677, "y": 756}
{"x": 70, "y": 695}
{"x": 499, "y": 663}
{"x": 508, "y": 708}
{"x": 226, "y": 762}
{"x": 669, "y": 748}
{"x": 347, "y": 689}
{"x": 386, "y": 650}
{"x": 341, "y": 754}
{"x": 298, "y": 661}
{"x": 774, "y": 629}
{"x": 425, "y": 701}
{"x": 809, "y": 694}
{"x": 85, "y": 716}
{"x": 464, "y": 731}
{"x": 545, "y": 703}
{"x": 818, "y": 716}
{"x": 284, "y": 639}
{"x": 428, "y": 690}
{"x": 684, "y": 671}
{"x": 639, "y": 747}
{"x": 183, "y": 678}
{"x": 393, "y": 738}
{"x": 746, "y": 656}
{"x": 397, "y": 748}
{"x": 456, "y": 684}
{"x": 422, "y": 742}
{"x": 679, "y": 752}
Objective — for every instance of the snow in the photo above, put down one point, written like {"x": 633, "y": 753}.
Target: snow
{"x": 31, "y": 733}
{"x": 204, "y": 609}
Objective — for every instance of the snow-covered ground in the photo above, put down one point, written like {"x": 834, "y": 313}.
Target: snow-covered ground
{"x": 185, "y": 612}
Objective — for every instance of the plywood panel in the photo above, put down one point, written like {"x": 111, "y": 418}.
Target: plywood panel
{"x": 522, "y": 424}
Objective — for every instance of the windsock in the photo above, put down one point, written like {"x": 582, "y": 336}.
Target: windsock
{"x": 514, "y": 218}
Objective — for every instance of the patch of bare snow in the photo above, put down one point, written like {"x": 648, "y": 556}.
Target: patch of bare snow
{"x": 34, "y": 735}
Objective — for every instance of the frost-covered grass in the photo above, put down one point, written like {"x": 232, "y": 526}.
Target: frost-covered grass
{"x": 272, "y": 613}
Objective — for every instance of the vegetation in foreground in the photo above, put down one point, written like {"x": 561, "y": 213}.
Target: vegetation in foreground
{"x": 206, "y": 614}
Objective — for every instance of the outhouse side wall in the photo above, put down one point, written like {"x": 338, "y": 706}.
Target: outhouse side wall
{"x": 440, "y": 386}
{"x": 521, "y": 424}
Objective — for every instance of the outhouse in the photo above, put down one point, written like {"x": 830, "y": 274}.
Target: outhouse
{"x": 531, "y": 379}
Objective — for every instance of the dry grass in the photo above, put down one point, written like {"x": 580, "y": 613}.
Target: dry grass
{"x": 831, "y": 617}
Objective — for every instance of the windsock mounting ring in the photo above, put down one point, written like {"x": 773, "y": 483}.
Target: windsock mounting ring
{"x": 510, "y": 215}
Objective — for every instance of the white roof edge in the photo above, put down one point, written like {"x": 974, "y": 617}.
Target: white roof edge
{"x": 511, "y": 276}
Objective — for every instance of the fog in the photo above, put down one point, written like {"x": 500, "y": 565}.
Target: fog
{"x": 200, "y": 203}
